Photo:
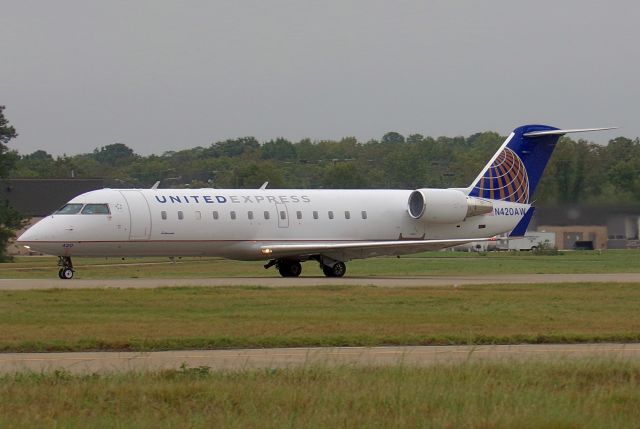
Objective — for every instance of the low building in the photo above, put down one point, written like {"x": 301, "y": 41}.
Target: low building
{"x": 578, "y": 236}
{"x": 584, "y": 223}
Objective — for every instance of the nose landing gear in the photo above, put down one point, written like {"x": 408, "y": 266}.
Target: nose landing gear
{"x": 66, "y": 268}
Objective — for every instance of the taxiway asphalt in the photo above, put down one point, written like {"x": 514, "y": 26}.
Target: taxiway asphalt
{"x": 147, "y": 283}
{"x": 244, "y": 359}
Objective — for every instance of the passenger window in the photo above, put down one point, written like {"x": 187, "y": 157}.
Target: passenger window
{"x": 69, "y": 209}
{"x": 315, "y": 215}
{"x": 215, "y": 215}
{"x": 283, "y": 214}
{"x": 96, "y": 209}
{"x": 330, "y": 214}
{"x": 198, "y": 215}
{"x": 347, "y": 215}
{"x": 250, "y": 215}
{"x": 299, "y": 214}
{"x": 364, "y": 214}
{"x": 267, "y": 215}
{"x": 163, "y": 215}
{"x": 233, "y": 215}
{"x": 180, "y": 215}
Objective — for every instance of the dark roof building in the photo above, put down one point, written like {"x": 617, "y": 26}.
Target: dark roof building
{"x": 41, "y": 197}
{"x": 622, "y": 222}
{"x": 563, "y": 215}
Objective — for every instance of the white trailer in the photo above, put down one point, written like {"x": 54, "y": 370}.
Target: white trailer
{"x": 534, "y": 240}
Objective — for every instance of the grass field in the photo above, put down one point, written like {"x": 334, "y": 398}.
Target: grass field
{"x": 551, "y": 394}
{"x": 430, "y": 263}
{"x": 556, "y": 394}
{"x": 179, "y": 318}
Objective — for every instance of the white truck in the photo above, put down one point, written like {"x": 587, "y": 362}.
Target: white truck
{"x": 533, "y": 240}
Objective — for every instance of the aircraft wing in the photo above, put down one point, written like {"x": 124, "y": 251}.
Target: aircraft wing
{"x": 347, "y": 250}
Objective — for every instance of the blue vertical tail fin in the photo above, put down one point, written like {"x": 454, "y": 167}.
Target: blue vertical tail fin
{"x": 514, "y": 172}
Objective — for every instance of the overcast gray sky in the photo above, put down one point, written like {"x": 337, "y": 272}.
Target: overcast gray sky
{"x": 163, "y": 75}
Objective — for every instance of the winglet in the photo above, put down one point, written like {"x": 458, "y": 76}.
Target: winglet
{"x": 563, "y": 132}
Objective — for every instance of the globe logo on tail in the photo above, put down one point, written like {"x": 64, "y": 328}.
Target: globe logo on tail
{"x": 506, "y": 179}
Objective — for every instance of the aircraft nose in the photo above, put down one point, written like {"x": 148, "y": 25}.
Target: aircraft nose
{"x": 26, "y": 239}
{"x": 40, "y": 237}
{"x": 23, "y": 237}
{"x": 26, "y": 236}
{"x": 38, "y": 232}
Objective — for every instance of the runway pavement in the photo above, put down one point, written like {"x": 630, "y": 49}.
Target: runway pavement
{"x": 146, "y": 283}
{"x": 236, "y": 360}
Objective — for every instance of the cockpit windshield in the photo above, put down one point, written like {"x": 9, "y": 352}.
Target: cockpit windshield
{"x": 96, "y": 209}
{"x": 69, "y": 209}
{"x": 85, "y": 209}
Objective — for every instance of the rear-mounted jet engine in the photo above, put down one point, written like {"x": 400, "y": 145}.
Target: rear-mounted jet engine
{"x": 445, "y": 205}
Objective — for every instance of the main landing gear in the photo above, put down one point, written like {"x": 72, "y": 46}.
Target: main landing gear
{"x": 293, "y": 268}
{"x": 288, "y": 268}
{"x": 66, "y": 268}
{"x": 337, "y": 270}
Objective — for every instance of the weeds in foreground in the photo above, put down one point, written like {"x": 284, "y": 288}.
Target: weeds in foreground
{"x": 585, "y": 393}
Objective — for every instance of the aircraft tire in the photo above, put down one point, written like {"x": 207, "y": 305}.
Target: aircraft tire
{"x": 66, "y": 273}
{"x": 327, "y": 270}
{"x": 289, "y": 268}
{"x": 338, "y": 270}
{"x": 60, "y": 273}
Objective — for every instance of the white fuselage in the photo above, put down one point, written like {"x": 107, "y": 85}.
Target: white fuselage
{"x": 235, "y": 223}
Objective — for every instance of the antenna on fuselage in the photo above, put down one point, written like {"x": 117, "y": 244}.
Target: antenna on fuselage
{"x": 264, "y": 186}
{"x": 155, "y": 185}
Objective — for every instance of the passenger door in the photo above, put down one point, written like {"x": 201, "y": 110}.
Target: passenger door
{"x": 139, "y": 214}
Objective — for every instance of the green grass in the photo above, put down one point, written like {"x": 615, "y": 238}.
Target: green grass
{"x": 430, "y": 263}
{"x": 178, "y": 318}
{"x": 556, "y": 394}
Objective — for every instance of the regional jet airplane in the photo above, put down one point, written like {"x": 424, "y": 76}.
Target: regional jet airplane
{"x": 285, "y": 227}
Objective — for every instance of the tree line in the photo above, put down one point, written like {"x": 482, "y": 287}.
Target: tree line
{"x": 579, "y": 170}
{"x": 10, "y": 219}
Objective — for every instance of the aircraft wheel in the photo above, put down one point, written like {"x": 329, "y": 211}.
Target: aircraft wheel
{"x": 66, "y": 267}
{"x": 338, "y": 270}
{"x": 289, "y": 268}
{"x": 327, "y": 270}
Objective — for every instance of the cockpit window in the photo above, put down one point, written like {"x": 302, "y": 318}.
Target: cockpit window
{"x": 69, "y": 209}
{"x": 96, "y": 209}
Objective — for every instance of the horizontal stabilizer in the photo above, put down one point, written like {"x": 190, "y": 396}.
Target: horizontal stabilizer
{"x": 563, "y": 132}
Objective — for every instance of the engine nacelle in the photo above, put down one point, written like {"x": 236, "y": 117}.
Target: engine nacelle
{"x": 445, "y": 205}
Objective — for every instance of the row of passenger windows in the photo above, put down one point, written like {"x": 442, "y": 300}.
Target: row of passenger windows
{"x": 266, "y": 214}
